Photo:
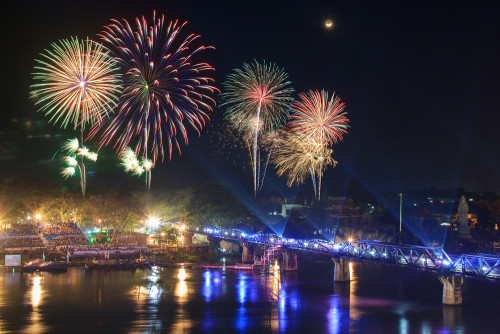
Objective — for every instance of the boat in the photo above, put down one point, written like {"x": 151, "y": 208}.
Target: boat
{"x": 40, "y": 265}
{"x": 113, "y": 264}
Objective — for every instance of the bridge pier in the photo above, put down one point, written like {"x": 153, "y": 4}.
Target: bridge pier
{"x": 188, "y": 237}
{"x": 452, "y": 289}
{"x": 342, "y": 272}
{"x": 214, "y": 244}
{"x": 290, "y": 261}
{"x": 248, "y": 252}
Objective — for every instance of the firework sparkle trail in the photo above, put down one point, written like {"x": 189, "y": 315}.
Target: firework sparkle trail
{"x": 131, "y": 163}
{"x": 317, "y": 123}
{"x": 299, "y": 159}
{"x": 257, "y": 98}
{"x": 73, "y": 150}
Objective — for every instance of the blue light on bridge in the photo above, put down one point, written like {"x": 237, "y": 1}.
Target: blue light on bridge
{"x": 427, "y": 258}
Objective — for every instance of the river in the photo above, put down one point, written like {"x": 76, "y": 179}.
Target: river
{"x": 380, "y": 299}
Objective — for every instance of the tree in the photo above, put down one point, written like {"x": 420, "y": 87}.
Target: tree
{"x": 113, "y": 212}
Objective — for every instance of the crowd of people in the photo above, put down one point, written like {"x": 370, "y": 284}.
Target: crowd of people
{"x": 133, "y": 239}
{"x": 20, "y": 236}
{"x": 25, "y": 235}
{"x": 17, "y": 229}
{"x": 58, "y": 234}
{"x": 49, "y": 229}
{"x": 67, "y": 239}
{"x": 24, "y": 241}
{"x": 63, "y": 236}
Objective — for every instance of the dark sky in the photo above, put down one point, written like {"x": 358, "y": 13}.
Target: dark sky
{"x": 420, "y": 80}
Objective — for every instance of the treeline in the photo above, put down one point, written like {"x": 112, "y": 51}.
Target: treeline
{"x": 122, "y": 209}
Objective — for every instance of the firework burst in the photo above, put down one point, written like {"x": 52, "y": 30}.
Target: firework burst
{"x": 257, "y": 98}
{"x": 165, "y": 89}
{"x": 318, "y": 118}
{"x": 317, "y": 121}
{"x": 300, "y": 159}
{"x": 257, "y": 94}
{"x": 76, "y": 84}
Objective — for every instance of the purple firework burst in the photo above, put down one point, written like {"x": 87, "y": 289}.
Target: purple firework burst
{"x": 166, "y": 90}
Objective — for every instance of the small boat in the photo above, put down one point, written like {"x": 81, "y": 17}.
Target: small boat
{"x": 118, "y": 265}
{"x": 40, "y": 265}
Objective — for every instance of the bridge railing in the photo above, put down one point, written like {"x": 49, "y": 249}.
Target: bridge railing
{"x": 419, "y": 257}
{"x": 479, "y": 265}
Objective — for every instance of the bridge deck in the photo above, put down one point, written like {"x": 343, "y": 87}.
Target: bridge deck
{"x": 484, "y": 266}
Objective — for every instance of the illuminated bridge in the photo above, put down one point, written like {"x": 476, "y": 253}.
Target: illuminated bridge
{"x": 451, "y": 269}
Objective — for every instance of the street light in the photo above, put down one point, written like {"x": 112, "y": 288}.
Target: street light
{"x": 400, "y": 212}
{"x": 153, "y": 222}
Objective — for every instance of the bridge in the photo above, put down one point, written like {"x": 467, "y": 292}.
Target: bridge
{"x": 450, "y": 269}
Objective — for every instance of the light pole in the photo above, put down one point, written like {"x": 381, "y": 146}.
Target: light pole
{"x": 400, "y": 212}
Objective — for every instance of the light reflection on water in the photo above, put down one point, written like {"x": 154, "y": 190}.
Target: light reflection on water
{"x": 185, "y": 299}
{"x": 35, "y": 322}
{"x": 36, "y": 292}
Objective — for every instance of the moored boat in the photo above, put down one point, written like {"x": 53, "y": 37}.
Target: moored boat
{"x": 113, "y": 264}
{"x": 40, "y": 265}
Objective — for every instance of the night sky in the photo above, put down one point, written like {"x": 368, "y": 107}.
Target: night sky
{"x": 420, "y": 80}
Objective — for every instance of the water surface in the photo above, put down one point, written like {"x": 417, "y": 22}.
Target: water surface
{"x": 380, "y": 299}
